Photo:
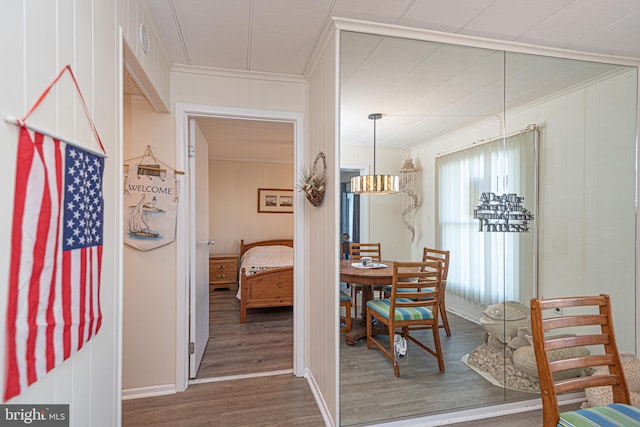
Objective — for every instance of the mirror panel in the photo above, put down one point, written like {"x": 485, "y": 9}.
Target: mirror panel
{"x": 578, "y": 179}
{"x": 587, "y": 176}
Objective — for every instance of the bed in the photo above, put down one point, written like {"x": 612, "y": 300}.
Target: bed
{"x": 266, "y": 275}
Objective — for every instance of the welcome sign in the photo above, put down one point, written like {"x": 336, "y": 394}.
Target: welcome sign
{"x": 150, "y": 209}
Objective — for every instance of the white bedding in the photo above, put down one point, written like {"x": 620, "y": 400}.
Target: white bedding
{"x": 260, "y": 258}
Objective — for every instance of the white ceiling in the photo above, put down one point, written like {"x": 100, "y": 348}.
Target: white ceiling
{"x": 457, "y": 85}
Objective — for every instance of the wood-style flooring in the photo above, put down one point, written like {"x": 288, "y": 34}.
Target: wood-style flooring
{"x": 281, "y": 400}
{"x": 370, "y": 393}
{"x": 264, "y": 343}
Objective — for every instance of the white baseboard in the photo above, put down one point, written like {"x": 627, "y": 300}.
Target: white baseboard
{"x": 322, "y": 405}
{"x": 156, "y": 390}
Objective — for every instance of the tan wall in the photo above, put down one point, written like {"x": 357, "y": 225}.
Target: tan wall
{"x": 39, "y": 38}
{"x": 233, "y": 203}
{"x": 321, "y": 233}
{"x": 150, "y": 363}
{"x": 149, "y": 320}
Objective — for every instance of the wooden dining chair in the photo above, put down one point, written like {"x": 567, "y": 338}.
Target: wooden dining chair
{"x": 589, "y": 320}
{"x": 442, "y": 256}
{"x": 345, "y": 301}
{"x": 407, "y": 307}
{"x": 431, "y": 254}
{"x": 358, "y": 250}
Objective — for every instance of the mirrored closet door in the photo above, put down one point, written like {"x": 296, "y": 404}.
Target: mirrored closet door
{"x": 549, "y": 143}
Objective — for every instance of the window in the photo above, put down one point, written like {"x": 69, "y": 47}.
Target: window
{"x": 489, "y": 267}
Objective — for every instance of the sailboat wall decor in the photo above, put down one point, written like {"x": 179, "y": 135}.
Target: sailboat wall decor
{"x": 150, "y": 208}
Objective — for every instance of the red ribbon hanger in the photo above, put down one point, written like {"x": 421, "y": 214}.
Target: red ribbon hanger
{"x": 22, "y": 121}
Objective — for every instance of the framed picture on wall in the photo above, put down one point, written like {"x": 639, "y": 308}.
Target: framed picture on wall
{"x": 275, "y": 200}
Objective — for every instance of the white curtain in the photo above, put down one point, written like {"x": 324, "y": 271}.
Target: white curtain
{"x": 486, "y": 268}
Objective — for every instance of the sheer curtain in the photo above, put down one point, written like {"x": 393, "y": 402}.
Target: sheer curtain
{"x": 486, "y": 268}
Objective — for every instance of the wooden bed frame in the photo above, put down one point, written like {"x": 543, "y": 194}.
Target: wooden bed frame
{"x": 271, "y": 288}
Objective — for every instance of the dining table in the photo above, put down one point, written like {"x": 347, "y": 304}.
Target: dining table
{"x": 379, "y": 274}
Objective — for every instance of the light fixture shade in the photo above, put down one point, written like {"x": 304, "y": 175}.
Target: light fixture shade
{"x": 375, "y": 184}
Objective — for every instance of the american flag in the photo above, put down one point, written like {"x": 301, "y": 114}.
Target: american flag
{"x": 56, "y": 252}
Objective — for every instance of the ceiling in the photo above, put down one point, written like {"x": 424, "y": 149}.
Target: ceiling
{"x": 279, "y": 36}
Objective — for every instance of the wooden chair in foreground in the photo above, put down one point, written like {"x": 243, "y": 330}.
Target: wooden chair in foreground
{"x": 409, "y": 306}
{"x": 430, "y": 254}
{"x": 592, "y": 326}
{"x": 356, "y": 252}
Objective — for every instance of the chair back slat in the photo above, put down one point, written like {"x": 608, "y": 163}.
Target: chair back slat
{"x": 415, "y": 284}
{"x": 358, "y": 250}
{"x": 430, "y": 254}
{"x": 584, "y": 340}
{"x": 578, "y": 320}
{"x": 581, "y": 362}
{"x": 605, "y": 353}
{"x": 580, "y": 383}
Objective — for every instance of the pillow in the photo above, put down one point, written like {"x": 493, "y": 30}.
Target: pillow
{"x": 268, "y": 256}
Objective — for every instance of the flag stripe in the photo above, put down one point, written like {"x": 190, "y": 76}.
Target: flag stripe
{"x": 82, "y": 285}
{"x": 66, "y": 304}
{"x": 50, "y": 321}
{"x": 25, "y": 158}
{"x": 97, "y": 285}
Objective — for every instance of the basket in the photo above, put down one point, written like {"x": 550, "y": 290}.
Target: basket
{"x": 313, "y": 181}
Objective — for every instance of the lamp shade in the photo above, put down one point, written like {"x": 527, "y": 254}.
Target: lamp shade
{"x": 375, "y": 184}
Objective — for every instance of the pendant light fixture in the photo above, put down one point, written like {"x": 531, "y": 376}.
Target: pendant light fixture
{"x": 375, "y": 184}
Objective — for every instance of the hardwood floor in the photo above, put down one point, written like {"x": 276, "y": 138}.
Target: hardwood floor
{"x": 370, "y": 393}
{"x": 264, "y": 343}
{"x": 281, "y": 400}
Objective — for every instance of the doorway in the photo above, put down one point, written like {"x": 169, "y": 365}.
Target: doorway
{"x": 349, "y": 208}
{"x": 243, "y": 155}
{"x": 185, "y": 112}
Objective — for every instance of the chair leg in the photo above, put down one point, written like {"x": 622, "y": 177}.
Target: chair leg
{"x": 369, "y": 329}
{"x": 354, "y": 299}
{"x": 445, "y": 321}
{"x": 348, "y": 317}
{"x": 443, "y": 312}
{"x": 396, "y": 367}
{"x": 438, "y": 348}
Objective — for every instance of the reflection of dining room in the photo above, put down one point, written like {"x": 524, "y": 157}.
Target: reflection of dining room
{"x": 515, "y": 219}
{"x": 367, "y": 372}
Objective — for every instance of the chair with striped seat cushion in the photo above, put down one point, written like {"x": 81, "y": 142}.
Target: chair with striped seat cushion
{"x": 345, "y": 301}
{"x": 589, "y": 320}
{"x": 408, "y": 307}
{"x": 429, "y": 254}
{"x": 613, "y": 415}
{"x": 357, "y": 250}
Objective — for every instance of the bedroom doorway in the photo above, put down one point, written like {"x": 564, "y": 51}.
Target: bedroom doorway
{"x": 245, "y": 155}
{"x": 226, "y": 242}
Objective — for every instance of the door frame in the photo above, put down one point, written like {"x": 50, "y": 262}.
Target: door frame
{"x": 184, "y": 112}
{"x": 364, "y": 202}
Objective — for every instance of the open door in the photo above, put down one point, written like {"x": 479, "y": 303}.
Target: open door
{"x": 198, "y": 247}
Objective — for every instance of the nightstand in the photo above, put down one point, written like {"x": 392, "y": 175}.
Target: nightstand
{"x": 223, "y": 271}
